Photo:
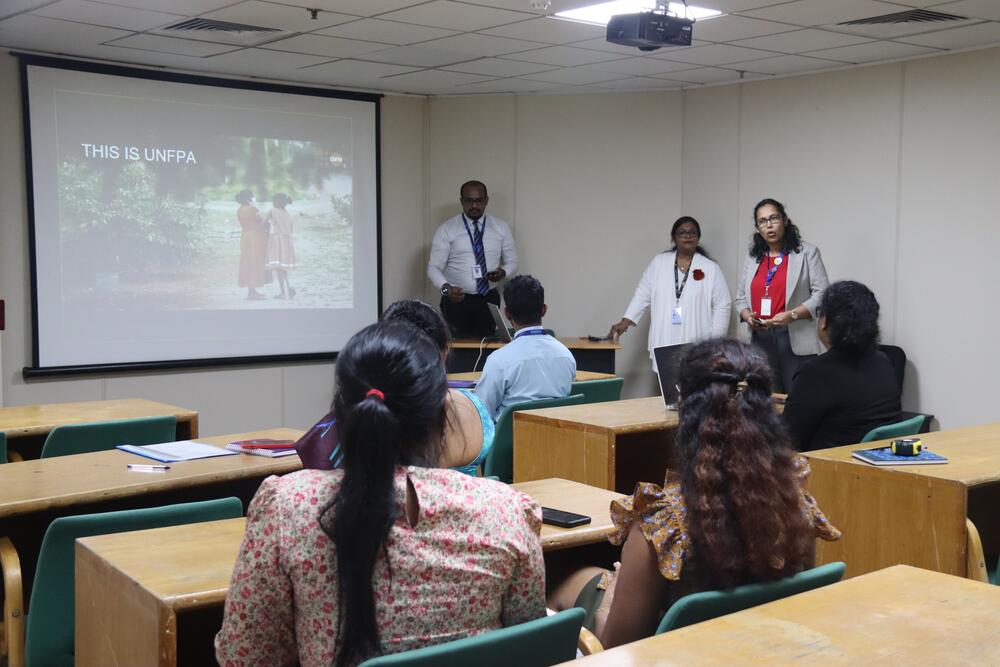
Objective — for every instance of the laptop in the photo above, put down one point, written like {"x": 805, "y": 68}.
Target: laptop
{"x": 666, "y": 370}
{"x": 504, "y": 330}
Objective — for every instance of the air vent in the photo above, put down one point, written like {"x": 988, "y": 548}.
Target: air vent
{"x": 911, "y": 16}
{"x": 208, "y": 26}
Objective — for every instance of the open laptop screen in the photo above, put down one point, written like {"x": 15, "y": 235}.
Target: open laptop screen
{"x": 666, "y": 369}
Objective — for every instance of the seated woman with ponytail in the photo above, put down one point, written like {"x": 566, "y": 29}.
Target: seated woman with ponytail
{"x": 732, "y": 512}
{"x": 388, "y": 552}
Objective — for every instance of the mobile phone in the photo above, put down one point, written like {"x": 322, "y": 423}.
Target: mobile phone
{"x": 563, "y": 519}
{"x": 595, "y": 339}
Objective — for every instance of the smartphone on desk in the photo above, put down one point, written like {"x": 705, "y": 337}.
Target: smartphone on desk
{"x": 563, "y": 519}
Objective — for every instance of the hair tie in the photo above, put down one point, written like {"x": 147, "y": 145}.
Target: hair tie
{"x": 376, "y": 393}
{"x": 741, "y": 386}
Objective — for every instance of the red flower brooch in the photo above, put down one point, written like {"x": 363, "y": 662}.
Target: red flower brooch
{"x": 698, "y": 274}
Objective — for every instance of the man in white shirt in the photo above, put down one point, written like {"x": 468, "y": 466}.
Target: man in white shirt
{"x": 469, "y": 253}
{"x": 534, "y": 365}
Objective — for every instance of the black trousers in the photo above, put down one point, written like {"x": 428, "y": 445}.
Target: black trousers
{"x": 470, "y": 317}
{"x": 784, "y": 363}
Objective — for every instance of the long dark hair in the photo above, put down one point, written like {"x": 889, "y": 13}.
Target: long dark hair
{"x": 423, "y": 316}
{"x": 673, "y": 234}
{"x": 376, "y": 435}
{"x": 737, "y": 470}
{"x": 793, "y": 238}
{"x": 851, "y": 312}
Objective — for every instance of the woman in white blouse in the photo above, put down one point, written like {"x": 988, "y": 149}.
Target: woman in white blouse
{"x": 685, "y": 292}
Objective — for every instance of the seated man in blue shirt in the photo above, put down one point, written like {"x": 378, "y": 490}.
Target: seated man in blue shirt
{"x": 532, "y": 366}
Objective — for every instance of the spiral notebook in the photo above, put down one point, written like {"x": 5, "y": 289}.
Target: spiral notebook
{"x": 260, "y": 451}
{"x": 883, "y": 456}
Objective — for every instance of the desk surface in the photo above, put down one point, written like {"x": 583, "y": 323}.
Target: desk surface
{"x": 581, "y": 376}
{"x": 571, "y": 343}
{"x": 973, "y": 455}
{"x": 899, "y": 616}
{"x": 189, "y": 566}
{"x": 32, "y": 486}
{"x": 36, "y": 420}
{"x": 628, "y": 416}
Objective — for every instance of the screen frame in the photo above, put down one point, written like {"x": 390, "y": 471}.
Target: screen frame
{"x": 26, "y": 59}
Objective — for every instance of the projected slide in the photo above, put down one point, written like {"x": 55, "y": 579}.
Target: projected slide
{"x": 176, "y": 221}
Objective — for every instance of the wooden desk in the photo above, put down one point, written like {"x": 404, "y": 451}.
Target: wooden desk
{"x": 898, "y": 616}
{"x": 27, "y": 426}
{"x": 910, "y": 514}
{"x": 581, "y": 376}
{"x": 155, "y": 597}
{"x": 590, "y": 356}
{"x": 34, "y": 493}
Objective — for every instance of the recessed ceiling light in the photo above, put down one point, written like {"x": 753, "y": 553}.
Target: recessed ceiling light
{"x": 601, "y": 13}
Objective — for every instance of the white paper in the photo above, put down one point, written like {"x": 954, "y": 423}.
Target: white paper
{"x": 183, "y": 450}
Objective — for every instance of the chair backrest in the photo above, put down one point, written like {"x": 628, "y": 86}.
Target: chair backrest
{"x": 49, "y": 631}
{"x": 98, "y": 436}
{"x": 707, "y": 605}
{"x": 550, "y": 640}
{"x": 897, "y": 357}
{"x": 500, "y": 462}
{"x": 906, "y": 427}
{"x": 599, "y": 391}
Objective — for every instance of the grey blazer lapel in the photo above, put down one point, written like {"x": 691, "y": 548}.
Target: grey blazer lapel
{"x": 795, "y": 260}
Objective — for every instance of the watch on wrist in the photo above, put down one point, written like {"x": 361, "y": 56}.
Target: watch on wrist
{"x": 794, "y": 314}
{"x": 445, "y": 289}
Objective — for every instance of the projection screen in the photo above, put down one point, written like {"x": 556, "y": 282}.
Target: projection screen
{"x": 180, "y": 220}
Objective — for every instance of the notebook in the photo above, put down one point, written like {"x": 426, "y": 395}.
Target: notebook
{"x": 171, "y": 452}
{"x": 260, "y": 451}
{"x": 462, "y": 384}
{"x": 883, "y": 456}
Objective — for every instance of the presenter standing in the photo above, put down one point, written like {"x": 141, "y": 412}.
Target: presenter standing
{"x": 780, "y": 288}
{"x": 470, "y": 253}
{"x": 685, "y": 292}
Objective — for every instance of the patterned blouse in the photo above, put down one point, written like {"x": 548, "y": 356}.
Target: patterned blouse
{"x": 661, "y": 515}
{"x": 472, "y": 563}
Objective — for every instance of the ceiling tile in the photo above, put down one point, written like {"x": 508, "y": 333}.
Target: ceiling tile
{"x": 96, "y": 13}
{"x": 181, "y": 47}
{"x": 43, "y": 34}
{"x": 896, "y": 30}
{"x": 732, "y": 27}
{"x": 566, "y": 56}
{"x": 549, "y": 30}
{"x": 798, "y": 41}
{"x": 786, "y": 65}
{"x": 455, "y": 15}
{"x": 983, "y": 34}
{"x": 872, "y": 52}
{"x": 185, "y": 7}
{"x": 980, "y": 9}
{"x": 504, "y": 86}
{"x": 260, "y": 62}
{"x": 498, "y": 67}
{"x": 704, "y": 75}
{"x": 525, "y": 6}
{"x": 350, "y": 72}
{"x": 321, "y": 45}
{"x": 715, "y": 54}
{"x": 11, "y": 7}
{"x": 601, "y": 44}
{"x": 389, "y": 32}
{"x": 634, "y": 83}
{"x": 480, "y": 45}
{"x": 574, "y": 75}
{"x": 270, "y": 15}
{"x": 730, "y": 6}
{"x": 429, "y": 79}
{"x": 356, "y": 7}
{"x": 417, "y": 56}
{"x": 639, "y": 66}
{"x": 821, "y": 12}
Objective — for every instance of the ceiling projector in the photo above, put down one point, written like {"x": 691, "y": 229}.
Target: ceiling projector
{"x": 649, "y": 31}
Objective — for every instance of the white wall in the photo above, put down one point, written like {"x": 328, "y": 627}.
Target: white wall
{"x": 227, "y": 400}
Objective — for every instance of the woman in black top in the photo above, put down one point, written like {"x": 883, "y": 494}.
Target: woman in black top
{"x": 842, "y": 394}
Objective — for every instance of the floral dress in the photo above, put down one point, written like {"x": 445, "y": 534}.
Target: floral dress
{"x": 471, "y": 563}
{"x": 660, "y": 512}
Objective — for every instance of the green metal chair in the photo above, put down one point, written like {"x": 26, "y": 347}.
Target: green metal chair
{"x": 98, "y": 436}
{"x": 545, "y": 641}
{"x": 599, "y": 391}
{"x": 901, "y": 429}
{"x": 705, "y": 606}
{"x": 500, "y": 462}
{"x": 48, "y": 637}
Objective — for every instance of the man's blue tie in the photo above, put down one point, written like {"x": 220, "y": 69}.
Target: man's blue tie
{"x": 482, "y": 283}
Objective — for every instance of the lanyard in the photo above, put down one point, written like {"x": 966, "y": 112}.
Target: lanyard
{"x": 773, "y": 270}
{"x": 530, "y": 332}
{"x": 679, "y": 289}
{"x": 477, "y": 239}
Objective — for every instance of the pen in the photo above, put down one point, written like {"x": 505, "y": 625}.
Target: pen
{"x": 144, "y": 467}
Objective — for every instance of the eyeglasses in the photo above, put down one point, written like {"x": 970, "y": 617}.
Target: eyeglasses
{"x": 773, "y": 220}
{"x": 474, "y": 202}
{"x": 687, "y": 232}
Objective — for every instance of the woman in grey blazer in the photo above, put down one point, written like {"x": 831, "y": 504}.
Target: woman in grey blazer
{"x": 780, "y": 287}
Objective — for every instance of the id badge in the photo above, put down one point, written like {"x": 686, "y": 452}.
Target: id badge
{"x": 477, "y": 272}
{"x": 677, "y": 317}
{"x": 765, "y": 307}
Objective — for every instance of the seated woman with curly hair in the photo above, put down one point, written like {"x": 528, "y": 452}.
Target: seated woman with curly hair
{"x": 839, "y": 396}
{"x": 732, "y": 512}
